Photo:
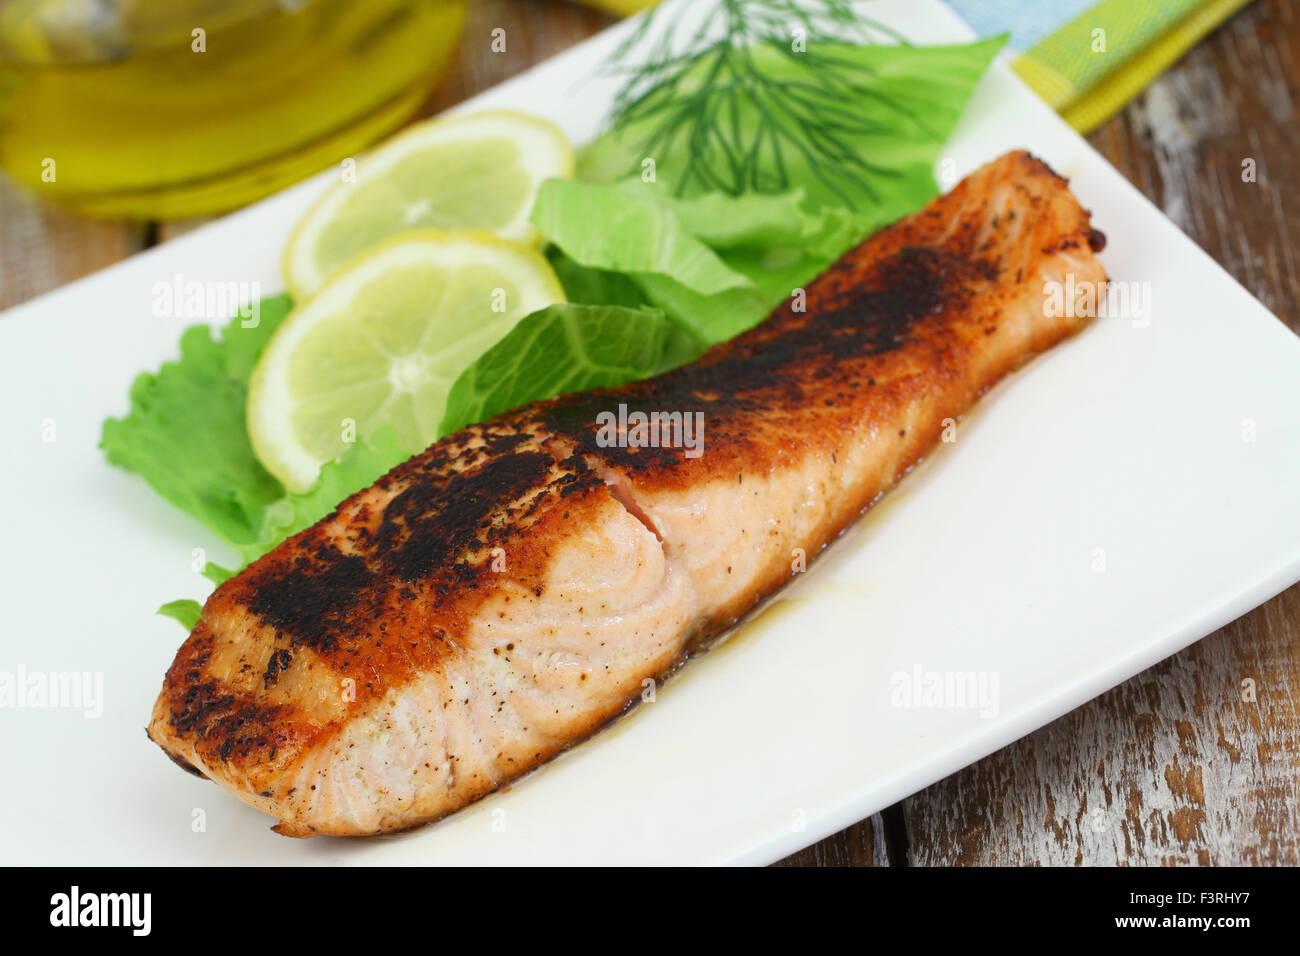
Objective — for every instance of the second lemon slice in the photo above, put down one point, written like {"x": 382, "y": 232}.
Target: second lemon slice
{"x": 477, "y": 171}
{"x": 384, "y": 341}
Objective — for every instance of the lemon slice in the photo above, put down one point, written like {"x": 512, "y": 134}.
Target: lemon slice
{"x": 383, "y": 341}
{"x": 477, "y": 171}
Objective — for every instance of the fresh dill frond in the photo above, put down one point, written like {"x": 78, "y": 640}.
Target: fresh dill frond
{"x": 743, "y": 86}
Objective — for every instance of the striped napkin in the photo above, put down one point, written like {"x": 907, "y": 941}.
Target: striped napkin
{"x": 1086, "y": 58}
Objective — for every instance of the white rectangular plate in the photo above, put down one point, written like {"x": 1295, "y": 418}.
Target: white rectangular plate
{"x": 1123, "y": 449}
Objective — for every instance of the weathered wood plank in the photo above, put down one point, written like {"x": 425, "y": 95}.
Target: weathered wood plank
{"x": 862, "y": 844}
{"x": 1174, "y": 767}
{"x": 1229, "y": 109}
{"x": 535, "y": 30}
{"x": 42, "y": 247}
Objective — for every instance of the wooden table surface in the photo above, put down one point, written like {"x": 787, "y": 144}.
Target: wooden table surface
{"x": 1172, "y": 767}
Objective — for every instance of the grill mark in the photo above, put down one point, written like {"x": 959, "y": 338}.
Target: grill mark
{"x": 278, "y": 662}
{"x": 426, "y": 527}
{"x": 311, "y": 599}
{"x": 225, "y": 724}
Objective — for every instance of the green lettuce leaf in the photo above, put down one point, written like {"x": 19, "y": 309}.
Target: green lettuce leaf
{"x": 562, "y": 348}
{"x": 637, "y": 235}
{"x": 771, "y": 239}
{"x": 764, "y": 245}
{"x": 184, "y": 433}
{"x": 185, "y": 611}
{"x": 915, "y": 96}
{"x": 365, "y": 462}
{"x": 769, "y": 242}
{"x": 757, "y": 220}
{"x": 587, "y": 286}
{"x": 711, "y": 318}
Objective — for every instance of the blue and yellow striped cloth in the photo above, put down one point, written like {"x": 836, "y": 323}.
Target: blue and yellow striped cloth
{"x": 1088, "y": 58}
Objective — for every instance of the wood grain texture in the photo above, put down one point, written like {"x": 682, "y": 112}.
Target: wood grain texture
{"x": 535, "y": 30}
{"x": 1174, "y": 767}
{"x": 862, "y": 844}
{"x": 1171, "y": 767}
{"x": 1235, "y": 99}
{"x": 42, "y": 248}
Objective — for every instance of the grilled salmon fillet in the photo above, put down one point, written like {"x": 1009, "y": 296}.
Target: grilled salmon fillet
{"x": 506, "y": 592}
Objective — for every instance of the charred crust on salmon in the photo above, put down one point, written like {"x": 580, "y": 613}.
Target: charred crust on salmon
{"x": 279, "y": 661}
{"x": 434, "y": 538}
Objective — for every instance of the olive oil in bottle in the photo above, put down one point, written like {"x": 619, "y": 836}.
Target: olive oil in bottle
{"x": 173, "y": 108}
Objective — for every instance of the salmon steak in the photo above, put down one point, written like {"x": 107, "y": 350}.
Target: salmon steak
{"x": 507, "y": 592}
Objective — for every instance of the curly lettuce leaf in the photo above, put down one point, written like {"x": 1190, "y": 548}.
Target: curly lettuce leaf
{"x": 365, "y": 462}
{"x": 637, "y": 235}
{"x": 776, "y": 239}
{"x": 184, "y": 433}
{"x": 771, "y": 239}
{"x": 760, "y": 247}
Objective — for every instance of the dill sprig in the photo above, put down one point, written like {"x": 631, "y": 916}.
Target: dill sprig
{"x": 705, "y": 85}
